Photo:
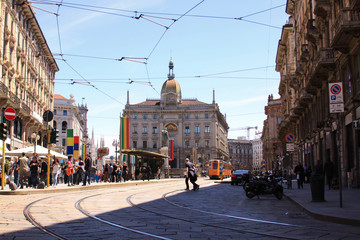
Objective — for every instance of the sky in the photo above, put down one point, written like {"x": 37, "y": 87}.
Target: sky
{"x": 106, "y": 48}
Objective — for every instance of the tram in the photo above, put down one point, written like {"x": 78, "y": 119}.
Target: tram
{"x": 219, "y": 169}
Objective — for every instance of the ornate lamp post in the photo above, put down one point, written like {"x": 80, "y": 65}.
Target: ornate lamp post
{"x": 116, "y": 144}
{"x": 36, "y": 138}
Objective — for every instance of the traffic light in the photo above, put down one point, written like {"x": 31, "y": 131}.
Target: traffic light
{"x": 3, "y": 131}
{"x": 54, "y": 136}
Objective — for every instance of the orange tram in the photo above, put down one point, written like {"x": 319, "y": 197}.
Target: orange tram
{"x": 219, "y": 169}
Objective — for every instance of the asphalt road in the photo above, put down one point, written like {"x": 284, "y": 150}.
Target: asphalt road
{"x": 160, "y": 210}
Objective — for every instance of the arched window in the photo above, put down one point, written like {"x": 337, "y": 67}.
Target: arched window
{"x": 54, "y": 124}
{"x": 17, "y": 128}
{"x": 64, "y": 126}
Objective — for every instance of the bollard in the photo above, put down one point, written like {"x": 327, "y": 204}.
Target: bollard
{"x": 317, "y": 184}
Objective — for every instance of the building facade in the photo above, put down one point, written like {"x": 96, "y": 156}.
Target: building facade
{"x": 241, "y": 154}
{"x": 272, "y": 147}
{"x": 199, "y": 129}
{"x": 67, "y": 115}
{"x": 320, "y": 46}
{"x": 257, "y": 164}
{"x": 27, "y": 71}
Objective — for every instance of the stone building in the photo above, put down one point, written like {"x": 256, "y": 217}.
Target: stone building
{"x": 67, "y": 115}
{"x": 27, "y": 71}
{"x": 241, "y": 154}
{"x": 320, "y": 46}
{"x": 199, "y": 129}
{"x": 272, "y": 147}
{"x": 257, "y": 164}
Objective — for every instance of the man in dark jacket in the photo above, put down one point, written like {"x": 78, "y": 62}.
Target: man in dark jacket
{"x": 88, "y": 164}
{"x": 329, "y": 171}
{"x": 190, "y": 174}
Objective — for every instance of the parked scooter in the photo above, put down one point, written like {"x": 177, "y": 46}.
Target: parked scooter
{"x": 264, "y": 185}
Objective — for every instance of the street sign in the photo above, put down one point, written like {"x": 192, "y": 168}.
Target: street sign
{"x": 336, "y": 97}
{"x": 10, "y": 114}
{"x": 290, "y": 138}
{"x": 290, "y": 147}
{"x": 48, "y": 116}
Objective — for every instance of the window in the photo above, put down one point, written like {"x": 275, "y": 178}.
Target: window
{"x": 134, "y": 129}
{"x": 207, "y": 143}
{"x": 144, "y": 116}
{"x": 134, "y": 144}
{"x": 187, "y": 116}
{"x": 63, "y": 126}
{"x": 197, "y": 144}
{"x": 144, "y": 129}
{"x": 54, "y": 111}
{"x": 65, "y": 112}
{"x": 197, "y": 129}
{"x": 154, "y": 131}
{"x": 207, "y": 129}
{"x": 187, "y": 130}
{"x": 144, "y": 144}
{"x": 63, "y": 142}
{"x": 154, "y": 145}
{"x": 197, "y": 116}
{"x": 155, "y": 116}
{"x": 187, "y": 143}
{"x": 134, "y": 116}
{"x": 206, "y": 115}
{"x": 279, "y": 121}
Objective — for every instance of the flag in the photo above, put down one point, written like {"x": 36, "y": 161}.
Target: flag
{"x": 83, "y": 154}
{"x": 76, "y": 146}
{"x": 70, "y": 142}
{"x": 171, "y": 149}
{"x": 124, "y": 133}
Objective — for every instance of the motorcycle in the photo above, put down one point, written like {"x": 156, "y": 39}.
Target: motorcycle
{"x": 261, "y": 186}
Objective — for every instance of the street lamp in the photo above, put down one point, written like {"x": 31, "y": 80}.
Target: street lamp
{"x": 116, "y": 144}
{"x": 36, "y": 138}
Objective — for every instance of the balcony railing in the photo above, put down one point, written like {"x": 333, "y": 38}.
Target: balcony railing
{"x": 312, "y": 33}
{"x": 346, "y": 25}
{"x": 4, "y": 88}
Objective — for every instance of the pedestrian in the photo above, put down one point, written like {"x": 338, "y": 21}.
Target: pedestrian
{"x": 44, "y": 168}
{"x": 118, "y": 172}
{"x": 81, "y": 171}
{"x": 69, "y": 171}
{"x": 124, "y": 171}
{"x": 106, "y": 172}
{"x": 55, "y": 172}
{"x": 16, "y": 168}
{"x": 143, "y": 172}
{"x": 158, "y": 173}
{"x": 88, "y": 165}
{"x": 148, "y": 172}
{"x": 24, "y": 171}
{"x": 34, "y": 168}
{"x": 190, "y": 175}
{"x": 329, "y": 172}
{"x": 299, "y": 171}
{"x": 114, "y": 173}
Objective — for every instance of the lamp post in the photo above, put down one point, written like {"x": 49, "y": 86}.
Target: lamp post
{"x": 116, "y": 144}
{"x": 36, "y": 138}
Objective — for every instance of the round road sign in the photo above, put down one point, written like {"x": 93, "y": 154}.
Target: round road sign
{"x": 48, "y": 116}
{"x": 290, "y": 138}
{"x": 335, "y": 89}
{"x": 10, "y": 114}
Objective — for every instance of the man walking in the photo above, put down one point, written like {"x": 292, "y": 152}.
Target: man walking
{"x": 88, "y": 164}
{"x": 190, "y": 174}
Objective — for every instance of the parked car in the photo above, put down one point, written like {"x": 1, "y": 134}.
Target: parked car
{"x": 239, "y": 177}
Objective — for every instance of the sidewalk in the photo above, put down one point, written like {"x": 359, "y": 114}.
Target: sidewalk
{"x": 64, "y": 187}
{"x": 330, "y": 209}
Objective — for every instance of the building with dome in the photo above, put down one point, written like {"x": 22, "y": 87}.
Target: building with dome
{"x": 199, "y": 129}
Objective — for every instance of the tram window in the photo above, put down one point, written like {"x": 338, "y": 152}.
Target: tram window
{"x": 215, "y": 165}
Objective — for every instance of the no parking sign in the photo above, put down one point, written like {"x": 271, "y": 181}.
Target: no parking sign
{"x": 336, "y": 97}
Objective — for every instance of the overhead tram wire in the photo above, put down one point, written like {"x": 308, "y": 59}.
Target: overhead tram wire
{"x": 89, "y": 84}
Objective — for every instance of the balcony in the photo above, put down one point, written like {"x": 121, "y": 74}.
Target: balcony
{"x": 346, "y": 26}
{"x": 299, "y": 69}
{"x": 322, "y": 8}
{"x": 323, "y": 64}
{"x": 298, "y": 109}
{"x": 305, "y": 98}
{"x": 4, "y": 88}
{"x": 293, "y": 82}
{"x": 312, "y": 33}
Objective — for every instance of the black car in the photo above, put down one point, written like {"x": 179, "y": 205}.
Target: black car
{"x": 239, "y": 177}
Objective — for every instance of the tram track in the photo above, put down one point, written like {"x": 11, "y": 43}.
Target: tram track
{"x": 163, "y": 208}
